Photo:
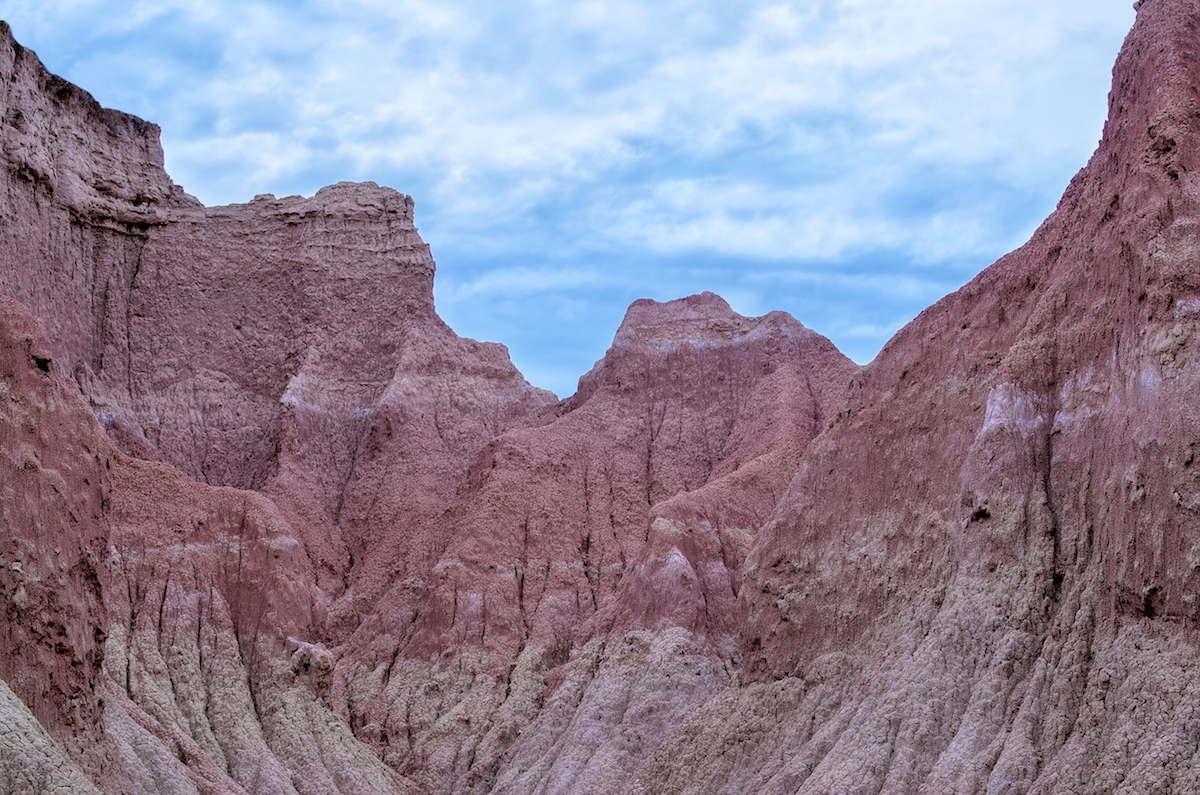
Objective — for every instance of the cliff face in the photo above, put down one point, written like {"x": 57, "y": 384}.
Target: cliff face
{"x": 589, "y": 560}
{"x": 984, "y": 576}
{"x": 53, "y": 502}
{"x": 252, "y": 346}
{"x": 271, "y": 526}
{"x": 329, "y": 545}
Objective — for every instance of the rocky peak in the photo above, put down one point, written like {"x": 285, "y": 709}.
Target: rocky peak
{"x": 703, "y": 319}
{"x": 352, "y": 200}
{"x": 105, "y": 165}
{"x": 657, "y": 341}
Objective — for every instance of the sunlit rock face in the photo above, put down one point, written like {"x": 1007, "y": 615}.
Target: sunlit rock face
{"x": 269, "y": 526}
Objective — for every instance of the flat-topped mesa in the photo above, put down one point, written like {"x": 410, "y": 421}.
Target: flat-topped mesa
{"x": 201, "y": 334}
{"x": 362, "y": 217}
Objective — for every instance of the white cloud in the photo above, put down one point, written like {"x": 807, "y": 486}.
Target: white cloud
{"x": 873, "y": 330}
{"x": 508, "y": 96}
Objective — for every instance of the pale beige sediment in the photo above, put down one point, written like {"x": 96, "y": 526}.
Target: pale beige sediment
{"x": 30, "y": 760}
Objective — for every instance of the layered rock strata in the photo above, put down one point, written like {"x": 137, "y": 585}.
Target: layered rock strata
{"x": 247, "y": 346}
{"x": 580, "y": 550}
{"x": 270, "y": 526}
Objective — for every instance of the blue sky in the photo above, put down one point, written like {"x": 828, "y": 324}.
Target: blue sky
{"x": 847, "y": 161}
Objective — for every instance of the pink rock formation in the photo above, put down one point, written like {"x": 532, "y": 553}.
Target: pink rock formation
{"x": 421, "y": 520}
{"x": 607, "y": 520}
{"x": 248, "y": 346}
{"x": 983, "y": 578}
{"x": 53, "y": 510}
{"x": 270, "y": 526}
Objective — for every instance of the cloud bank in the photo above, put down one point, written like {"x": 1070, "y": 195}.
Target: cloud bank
{"x": 848, "y": 161}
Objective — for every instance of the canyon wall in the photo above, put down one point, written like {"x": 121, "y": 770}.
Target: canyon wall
{"x": 332, "y": 545}
{"x": 271, "y": 526}
{"x": 983, "y": 577}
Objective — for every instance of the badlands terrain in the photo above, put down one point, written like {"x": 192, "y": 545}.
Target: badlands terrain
{"x": 268, "y": 525}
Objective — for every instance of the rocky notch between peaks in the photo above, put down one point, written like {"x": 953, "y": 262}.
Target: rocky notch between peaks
{"x": 270, "y": 526}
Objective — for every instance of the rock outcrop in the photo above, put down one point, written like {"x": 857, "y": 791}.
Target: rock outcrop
{"x": 53, "y": 501}
{"x": 580, "y": 550}
{"x": 270, "y": 526}
{"x": 983, "y": 578}
{"x": 252, "y": 346}
{"x": 329, "y": 545}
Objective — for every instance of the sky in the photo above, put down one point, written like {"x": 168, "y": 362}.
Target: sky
{"x": 846, "y": 161}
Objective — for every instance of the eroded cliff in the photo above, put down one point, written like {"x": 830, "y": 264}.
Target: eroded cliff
{"x": 983, "y": 578}
{"x": 271, "y": 526}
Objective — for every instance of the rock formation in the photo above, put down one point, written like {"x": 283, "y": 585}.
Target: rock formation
{"x": 983, "y": 577}
{"x": 578, "y": 550}
{"x": 271, "y": 527}
{"x": 331, "y": 546}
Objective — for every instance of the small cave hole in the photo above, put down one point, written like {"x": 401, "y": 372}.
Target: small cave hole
{"x": 43, "y": 363}
{"x": 1152, "y": 602}
{"x": 980, "y": 514}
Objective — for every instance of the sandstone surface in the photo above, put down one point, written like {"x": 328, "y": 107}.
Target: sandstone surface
{"x": 334, "y": 546}
{"x": 270, "y": 526}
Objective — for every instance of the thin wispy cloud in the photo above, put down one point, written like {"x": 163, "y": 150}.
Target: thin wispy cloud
{"x": 672, "y": 147}
{"x": 520, "y": 282}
